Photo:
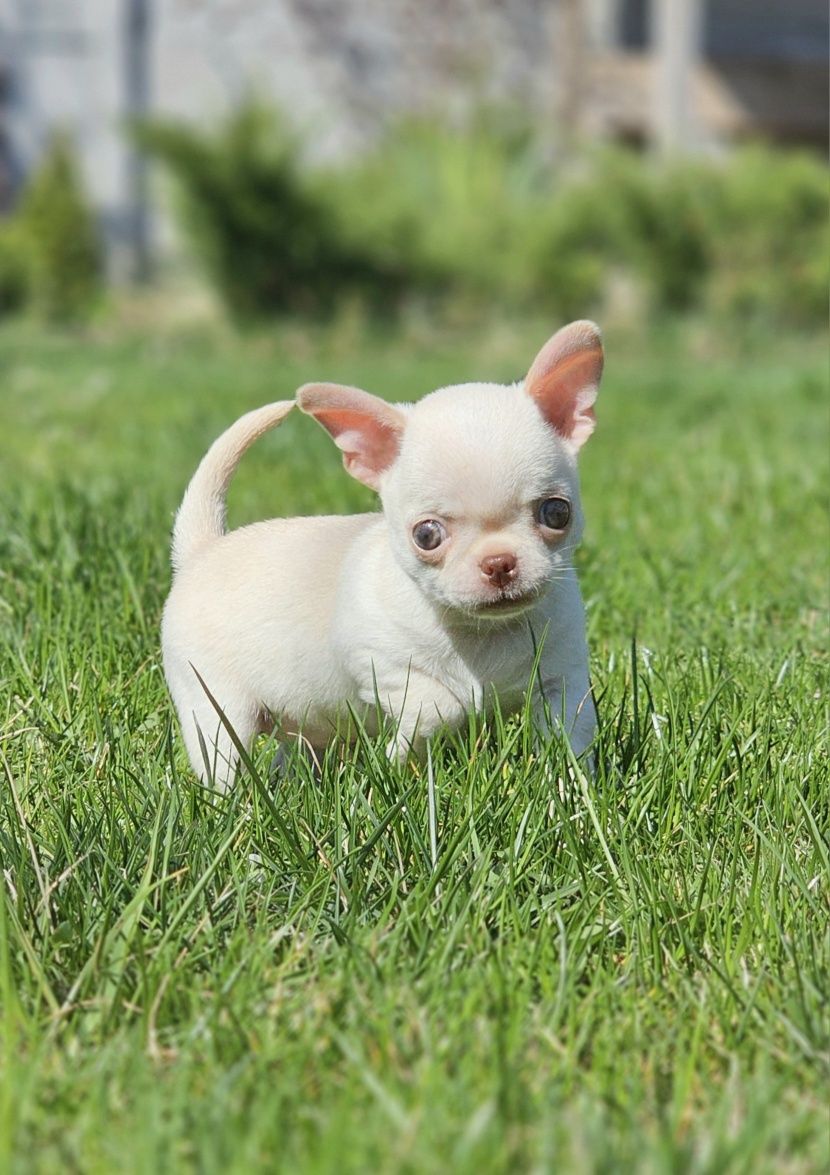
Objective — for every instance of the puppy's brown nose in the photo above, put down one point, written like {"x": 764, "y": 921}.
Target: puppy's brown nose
{"x": 500, "y": 570}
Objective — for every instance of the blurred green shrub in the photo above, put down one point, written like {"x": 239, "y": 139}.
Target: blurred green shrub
{"x": 14, "y": 281}
{"x": 485, "y": 217}
{"x": 265, "y": 237}
{"x": 463, "y": 207}
{"x": 770, "y": 238}
{"x": 55, "y": 239}
{"x": 652, "y": 218}
{"x": 502, "y": 224}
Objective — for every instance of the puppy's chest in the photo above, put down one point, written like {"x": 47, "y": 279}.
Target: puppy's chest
{"x": 478, "y": 668}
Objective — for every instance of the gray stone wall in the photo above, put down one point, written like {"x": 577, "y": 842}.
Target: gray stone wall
{"x": 344, "y": 68}
{"x": 62, "y": 67}
{"x": 340, "y": 69}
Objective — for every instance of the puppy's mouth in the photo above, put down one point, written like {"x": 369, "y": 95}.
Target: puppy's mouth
{"x": 504, "y": 607}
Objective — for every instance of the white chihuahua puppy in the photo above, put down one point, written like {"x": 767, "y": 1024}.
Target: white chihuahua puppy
{"x": 461, "y": 591}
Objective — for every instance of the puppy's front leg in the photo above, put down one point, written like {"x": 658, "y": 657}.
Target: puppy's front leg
{"x": 567, "y": 705}
{"x": 418, "y": 706}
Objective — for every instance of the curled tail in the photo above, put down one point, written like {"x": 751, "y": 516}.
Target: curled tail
{"x": 201, "y": 516}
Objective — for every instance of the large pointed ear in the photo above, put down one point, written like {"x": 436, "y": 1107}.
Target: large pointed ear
{"x": 564, "y": 380}
{"x": 368, "y": 430}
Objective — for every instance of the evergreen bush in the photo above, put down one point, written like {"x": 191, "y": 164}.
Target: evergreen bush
{"x": 58, "y": 239}
{"x": 265, "y": 237}
{"x": 14, "y": 276}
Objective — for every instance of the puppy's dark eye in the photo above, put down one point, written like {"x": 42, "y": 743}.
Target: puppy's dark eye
{"x": 554, "y": 513}
{"x": 429, "y": 534}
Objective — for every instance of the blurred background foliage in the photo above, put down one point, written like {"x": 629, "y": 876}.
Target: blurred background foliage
{"x": 485, "y": 217}
{"x": 460, "y": 221}
{"x": 50, "y": 253}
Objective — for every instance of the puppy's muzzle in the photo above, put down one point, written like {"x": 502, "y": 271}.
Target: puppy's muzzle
{"x": 499, "y": 570}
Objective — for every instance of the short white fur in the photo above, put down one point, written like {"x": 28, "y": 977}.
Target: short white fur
{"x": 296, "y": 623}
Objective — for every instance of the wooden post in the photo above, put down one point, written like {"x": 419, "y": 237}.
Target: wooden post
{"x": 570, "y": 67}
{"x": 676, "y": 38}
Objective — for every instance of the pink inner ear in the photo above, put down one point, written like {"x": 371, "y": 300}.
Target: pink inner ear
{"x": 366, "y": 429}
{"x": 369, "y": 445}
{"x": 564, "y": 380}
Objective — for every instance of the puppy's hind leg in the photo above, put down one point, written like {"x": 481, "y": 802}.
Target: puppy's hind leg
{"x": 212, "y": 741}
{"x": 210, "y": 737}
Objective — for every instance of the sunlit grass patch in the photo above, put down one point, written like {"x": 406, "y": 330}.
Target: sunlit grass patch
{"x": 484, "y": 963}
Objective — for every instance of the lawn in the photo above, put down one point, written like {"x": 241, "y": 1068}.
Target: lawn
{"x": 369, "y": 974}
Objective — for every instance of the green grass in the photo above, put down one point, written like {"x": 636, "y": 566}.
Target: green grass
{"x": 631, "y": 973}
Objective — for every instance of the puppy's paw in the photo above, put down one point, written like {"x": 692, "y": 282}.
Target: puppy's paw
{"x": 285, "y": 757}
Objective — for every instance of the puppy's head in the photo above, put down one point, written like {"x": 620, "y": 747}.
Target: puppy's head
{"x": 478, "y": 482}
